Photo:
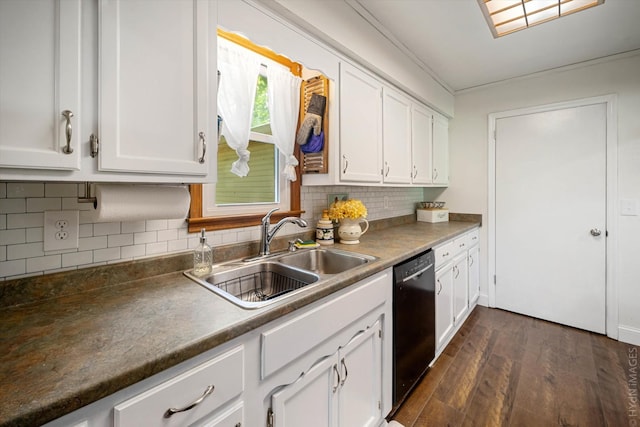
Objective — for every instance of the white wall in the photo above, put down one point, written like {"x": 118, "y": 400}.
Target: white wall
{"x": 468, "y": 156}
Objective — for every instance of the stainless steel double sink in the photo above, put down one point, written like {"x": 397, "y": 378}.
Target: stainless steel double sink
{"x": 260, "y": 282}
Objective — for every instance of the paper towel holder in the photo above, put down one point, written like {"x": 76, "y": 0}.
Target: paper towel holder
{"x": 87, "y": 196}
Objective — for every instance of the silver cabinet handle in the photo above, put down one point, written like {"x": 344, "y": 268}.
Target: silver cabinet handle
{"x": 67, "y": 114}
{"x": 204, "y": 147}
{"x": 415, "y": 171}
{"x": 457, "y": 271}
{"x": 435, "y": 173}
{"x": 346, "y": 164}
{"x": 386, "y": 173}
{"x": 346, "y": 373}
{"x": 595, "y": 232}
{"x": 172, "y": 411}
{"x": 470, "y": 261}
{"x": 335, "y": 369}
{"x": 439, "y": 290}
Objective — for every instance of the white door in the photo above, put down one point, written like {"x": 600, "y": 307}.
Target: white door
{"x": 474, "y": 274}
{"x": 360, "y": 396}
{"x": 157, "y": 86}
{"x": 396, "y": 137}
{"x": 444, "y": 305}
{"x": 460, "y": 287}
{"x": 421, "y": 145}
{"x": 360, "y": 125}
{"x": 39, "y": 80}
{"x": 440, "y": 150}
{"x": 550, "y": 215}
{"x": 311, "y": 400}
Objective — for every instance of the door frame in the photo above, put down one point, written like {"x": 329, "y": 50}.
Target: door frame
{"x": 611, "y": 101}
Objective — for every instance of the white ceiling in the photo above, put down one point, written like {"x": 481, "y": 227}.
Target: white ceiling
{"x": 451, "y": 39}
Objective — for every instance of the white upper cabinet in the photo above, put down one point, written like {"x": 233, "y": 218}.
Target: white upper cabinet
{"x": 421, "y": 145}
{"x": 440, "y": 150}
{"x": 386, "y": 137}
{"x": 360, "y": 126}
{"x": 40, "y": 84}
{"x": 396, "y": 131}
{"x": 157, "y": 87}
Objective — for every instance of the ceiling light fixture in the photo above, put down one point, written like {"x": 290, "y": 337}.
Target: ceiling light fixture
{"x": 507, "y": 16}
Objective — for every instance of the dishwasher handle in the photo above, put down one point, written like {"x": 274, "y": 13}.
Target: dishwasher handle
{"x": 416, "y": 274}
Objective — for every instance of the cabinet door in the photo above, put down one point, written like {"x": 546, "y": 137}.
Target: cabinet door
{"x": 444, "y": 305}
{"x": 474, "y": 274}
{"x": 396, "y": 138}
{"x": 311, "y": 400}
{"x": 421, "y": 145}
{"x": 157, "y": 86}
{"x": 460, "y": 287}
{"x": 39, "y": 80}
{"x": 360, "y": 126}
{"x": 360, "y": 397}
{"x": 440, "y": 150}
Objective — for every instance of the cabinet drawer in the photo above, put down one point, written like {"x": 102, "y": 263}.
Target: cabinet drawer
{"x": 225, "y": 373}
{"x": 444, "y": 253}
{"x": 293, "y": 338}
{"x": 460, "y": 244}
{"x": 473, "y": 238}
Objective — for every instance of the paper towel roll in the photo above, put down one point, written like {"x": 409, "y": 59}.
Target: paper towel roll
{"x": 118, "y": 202}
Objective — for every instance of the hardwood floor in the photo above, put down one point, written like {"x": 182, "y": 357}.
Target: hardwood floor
{"x": 504, "y": 369}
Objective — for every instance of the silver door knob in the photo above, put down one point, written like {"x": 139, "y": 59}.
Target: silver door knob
{"x": 595, "y": 232}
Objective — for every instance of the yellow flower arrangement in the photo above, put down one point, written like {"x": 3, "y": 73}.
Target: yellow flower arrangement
{"x": 352, "y": 208}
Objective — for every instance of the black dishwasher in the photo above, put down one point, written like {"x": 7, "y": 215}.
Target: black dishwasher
{"x": 414, "y": 322}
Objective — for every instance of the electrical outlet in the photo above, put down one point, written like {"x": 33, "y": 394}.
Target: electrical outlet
{"x": 61, "y": 229}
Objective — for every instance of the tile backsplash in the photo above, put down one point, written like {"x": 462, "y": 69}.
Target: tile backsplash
{"x": 22, "y": 207}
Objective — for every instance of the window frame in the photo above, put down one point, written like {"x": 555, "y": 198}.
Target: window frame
{"x": 196, "y": 221}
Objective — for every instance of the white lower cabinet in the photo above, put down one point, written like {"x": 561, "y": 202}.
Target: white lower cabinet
{"x": 474, "y": 274}
{"x": 325, "y": 364}
{"x": 444, "y": 305}
{"x": 342, "y": 389}
{"x": 460, "y": 286}
{"x": 457, "y": 284}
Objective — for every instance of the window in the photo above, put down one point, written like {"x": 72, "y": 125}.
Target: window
{"x": 508, "y": 16}
{"x": 242, "y": 201}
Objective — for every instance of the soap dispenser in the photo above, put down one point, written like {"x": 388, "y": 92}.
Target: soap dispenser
{"x": 324, "y": 229}
{"x": 202, "y": 257}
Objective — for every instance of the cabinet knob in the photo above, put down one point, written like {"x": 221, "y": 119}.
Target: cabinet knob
{"x": 171, "y": 411}
{"x": 335, "y": 369}
{"x": 204, "y": 147}
{"x": 595, "y": 232}
{"x": 67, "y": 114}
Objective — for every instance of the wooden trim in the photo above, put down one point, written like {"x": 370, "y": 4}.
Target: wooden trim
{"x": 196, "y": 221}
{"x": 294, "y": 67}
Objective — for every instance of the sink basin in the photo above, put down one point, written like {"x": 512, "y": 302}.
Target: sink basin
{"x": 257, "y": 285}
{"x": 324, "y": 261}
{"x": 264, "y": 281}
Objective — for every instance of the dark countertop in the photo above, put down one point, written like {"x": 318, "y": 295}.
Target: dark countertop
{"x": 60, "y": 353}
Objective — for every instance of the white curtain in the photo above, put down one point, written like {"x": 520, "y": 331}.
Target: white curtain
{"x": 239, "y": 69}
{"x": 284, "y": 104}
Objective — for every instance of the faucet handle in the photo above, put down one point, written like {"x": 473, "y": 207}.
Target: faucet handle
{"x": 267, "y": 217}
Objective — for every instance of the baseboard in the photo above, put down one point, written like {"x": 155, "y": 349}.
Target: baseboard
{"x": 483, "y": 300}
{"x": 629, "y": 335}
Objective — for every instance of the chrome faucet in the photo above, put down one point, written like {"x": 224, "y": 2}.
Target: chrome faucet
{"x": 267, "y": 235}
